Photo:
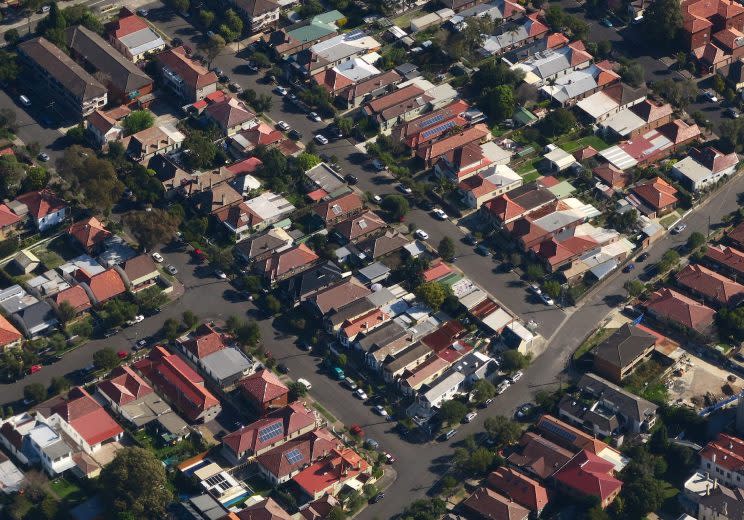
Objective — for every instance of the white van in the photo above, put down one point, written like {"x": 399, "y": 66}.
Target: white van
{"x": 25, "y": 101}
{"x": 305, "y": 383}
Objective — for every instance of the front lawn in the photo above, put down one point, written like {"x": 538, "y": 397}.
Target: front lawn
{"x": 669, "y": 219}
{"x": 577, "y": 144}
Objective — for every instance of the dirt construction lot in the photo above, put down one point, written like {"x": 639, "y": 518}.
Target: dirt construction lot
{"x": 699, "y": 379}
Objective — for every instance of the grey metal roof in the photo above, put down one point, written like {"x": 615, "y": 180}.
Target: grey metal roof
{"x": 225, "y": 363}
{"x": 628, "y": 404}
{"x": 381, "y": 336}
{"x": 142, "y": 41}
{"x": 374, "y": 271}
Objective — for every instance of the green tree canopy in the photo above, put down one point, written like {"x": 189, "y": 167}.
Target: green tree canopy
{"x": 137, "y": 121}
{"x": 152, "y": 227}
{"x": 446, "y": 249}
{"x": 483, "y": 390}
{"x": 695, "y": 240}
{"x": 35, "y": 392}
{"x": 502, "y": 430}
{"x": 396, "y": 205}
{"x": 662, "y": 21}
{"x": 453, "y": 411}
{"x": 201, "y": 151}
{"x": 515, "y": 360}
{"x": 558, "y": 122}
{"x": 432, "y": 294}
{"x": 106, "y": 359}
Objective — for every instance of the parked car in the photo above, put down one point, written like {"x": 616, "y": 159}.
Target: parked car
{"x": 356, "y": 429}
{"x": 220, "y": 274}
{"x": 137, "y": 319}
{"x": 43, "y": 157}
{"x": 470, "y": 240}
{"x": 360, "y": 394}
{"x": 440, "y": 214}
{"x": 404, "y": 189}
{"x": 141, "y": 343}
{"x": 305, "y": 383}
{"x": 421, "y": 234}
{"x": 642, "y": 257}
{"x": 524, "y": 410}
{"x": 516, "y": 376}
{"x": 372, "y": 444}
{"x": 606, "y": 22}
{"x": 321, "y": 139}
{"x": 380, "y": 410}
{"x": 351, "y": 179}
{"x": 732, "y": 113}
{"x": 389, "y": 459}
{"x": 482, "y": 250}
{"x": 378, "y": 165}
{"x": 547, "y": 300}
{"x": 313, "y": 116}
{"x": 171, "y": 269}
{"x": 111, "y": 332}
{"x": 487, "y": 402}
{"x": 535, "y": 289}
{"x": 710, "y": 96}
{"x": 25, "y": 101}
{"x": 679, "y": 228}
{"x": 282, "y": 125}
{"x": 122, "y": 354}
{"x": 143, "y": 12}
{"x": 157, "y": 257}
{"x": 628, "y": 268}
{"x": 470, "y": 417}
{"x": 350, "y": 384}
{"x": 280, "y": 90}
{"x": 377, "y": 199}
{"x": 338, "y": 373}
{"x": 448, "y": 435}
{"x": 502, "y": 386}
{"x": 377, "y": 498}
{"x": 282, "y": 368}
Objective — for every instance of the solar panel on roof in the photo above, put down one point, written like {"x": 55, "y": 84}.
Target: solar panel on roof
{"x": 561, "y": 432}
{"x": 432, "y": 120}
{"x": 270, "y": 432}
{"x": 438, "y": 129}
{"x": 294, "y": 456}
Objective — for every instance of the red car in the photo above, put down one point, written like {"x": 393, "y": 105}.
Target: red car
{"x": 34, "y": 369}
{"x": 122, "y": 354}
{"x": 356, "y": 430}
{"x": 200, "y": 255}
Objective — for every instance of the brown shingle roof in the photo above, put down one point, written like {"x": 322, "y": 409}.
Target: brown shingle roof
{"x": 340, "y": 295}
{"x": 339, "y": 206}
{"x": 360, "y": 226}
{"x": 139, "y": 266}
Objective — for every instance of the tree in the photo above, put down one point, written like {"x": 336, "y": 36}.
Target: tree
{"x": 66, "y": 312}
{"x": 633, "y": 74}
{"x": 261, "y": 60}
{"x": 137, "y": 121}
{"x": 502, "y": 430}
{"x": 248, "y": 334}
{"x": 659, "y": 441}
{"x": 296, "y": 391}
{"x": 190, "y": 320}
{"x": 535, "y": 272}
{"x": 35, "y": 392}
{"x": 432, "y": 294}
{"x": 106, "y": 359}
{"x": 483, "y": 390}
{"x": 59, "y": 385}
{"x": 668, "y": 260}
{"x": 152, "y": 227}
{"x": 272, "y": 305}
{"x": 181, "y": 6}
{"x": 555, "y": 17}
{"x": 263, "y": 103}
{"x": 634, "y": 288}
{"x": 201, "y": 151}
{"x": 20, "y": 508}
{"x": 453, "y": 411}
{"x": 150, "y": 299}
{"x": 306, "y": 161}
{"x": 36, "y": 179}
{"x": 695, "y": 240}
{"x": 171, "y": 329}
{"x": 337, "y": 513}
{"x": 446, "y": 249}
{"x": 425, "y": 509}
{"x": 662, "y": 22}
{"x": 514, "y": 360}
{"x": 642, "y": 496}
{"x": 553, "y": 288}
{"x": 12, "y": 36}
{"x": 90, "y": 176}
{"x": 558, "y": 122}
{"x": 678, "y": 93}
{"x": 234, "y": 21}
{"x": 345, "y": 125}
{"x": 396, "y": 205}
{"x": 135, "y": 481}
{"x": 310, "y": 8}
{"x": 498, "y": 102}
{"x": 206, "y": 18}
{"x": 213, "y": 47}
{"x": 8, "y": 66}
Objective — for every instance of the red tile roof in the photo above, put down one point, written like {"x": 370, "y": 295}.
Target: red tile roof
{"x": 364, "y": 323}
{"x": 520, "y": 488}
{"x": 477, "y": 185}
{"x": 89, "y": 232}
{"x": 265, "y": 510}
{"x": 727, "y": 256}
{"x": 453, "y": 352}
{"x": 193, "y": 74}
{"x": 87, "y": 417}
{"x": 310, "y": 447}
{"x": 650, "y": 111}
{"x": 42, "y": 203}
{"x": 105, "y": 285}
{"x": 75, "y": 296}
{"x": 671, "y": 305}
{"x": 657, "y": 193}
{"x": 550, "y": 427}
{"x": 230, "y": 113}
{"x": 715, "y": 286}
{"x": 728, "y": 450}
{"x": 431, "y": 150}
{"x": 339, "y": 206}
{"x": 539, "y": 455}
{"x": 286, "y": 261}
{"x": 263, "y": 386}
{"x": 339, "y": 466}
{"x": 437, "y": 271}
{"x": 7, "y": 217}
{"x": 204, "y": 341}
{"x": 392, "y": 99}
{"x": 124, "y": 386}
{"x": 246, "y": 166}
{"x": 8, "y": 333}
{"x": 613, "y": 176}
{"x": 360, "y": 226}
{"x": 126, "y": 24}
{"x": 332, "y": 80}
{"x": 262, "y": 135}
{"x": 488, "y": 504}
{"x": 737, "y": 234}
{"x": 590, "y": 475}
{"x": 444, "y": 336}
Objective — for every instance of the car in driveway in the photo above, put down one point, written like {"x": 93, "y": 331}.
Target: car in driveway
{"x": 171, "y": 269}
{"x": 25, "y": 101}
{"x": 157, "y": 257}
{"x": 421, "y": 234}
{"x": 440, "y": 214}
{"x": 43, "y": 157}
{"x": 321, "y": 139}
{"x": 252, "y": 66}
{"x": 282, "y": 368}
{"x": 137, "y": 319}
{"x": 448, "y": 435}
{"x": 280, "y": 90}
{"x": 283, "y": 126}
{"x": 710, "y": 96}
{"x": 524, "y": 410}
{"x": 313, "y": 116}
{"x": 547, "y": 300}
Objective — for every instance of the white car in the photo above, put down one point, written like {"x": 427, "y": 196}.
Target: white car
{"x": 711, "y": 96}
{"x": 283, "y": 126}
{"x": 172, "y": 269}
{"x": 404, "y": 189}
{"x": 280, "y": 90}
{"x": 305, "y": 383}
{"x": 157, "y": 257}
{"x": 440, "y": 214}
{"x": 314, "y": 117}
{"x": 547, "y": 300}
{"x": 360, "y": 394}
{"x": 421, "y": 234}
{"x": 679, "y": 228}
{"x": 516, "y": 376}
{"x": 379, "y": 410}
{"x": 377, "y": 199}
{"x": 535, "y": 289}
{"x": 220, "y": 274}
{"x": 321, "y": 139}
{"x": 137, "y": 319}
{"x": 502, "y": 386}
{"x": 469, "y": 417}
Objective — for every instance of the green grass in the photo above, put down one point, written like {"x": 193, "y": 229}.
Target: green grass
{"x": 325, "y": 413}
{"x": 62, "y": 246}
{"x": 531, "y": 176}
{"x": 645, "y": 382}
{"x": 590, "y": 140}
{"x": 594, "y": 340}
{"x": 50, "y": 259}
{"x": 669, "y": 219}
{"x": 64, "y": 488}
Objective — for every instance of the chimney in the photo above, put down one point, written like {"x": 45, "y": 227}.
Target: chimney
{"x": 223, "y": 199}
{"x": 713, "y": 458}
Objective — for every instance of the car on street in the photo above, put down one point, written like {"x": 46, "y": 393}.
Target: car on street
{"x": 628, "y": 268}
{"x": 360, "y": 394}
{"x": 606, "y": 22}
{"x": 372, "y": 444}
{"x": 334, "y": 132}
{"x": 111, "y": 332}
{"x": 218, "y": 71}
{"x": 171, "y": 269}
{"x": 421, "y": 234}
{"x": 122, "y": 354}
{"x": 24, "y": 100}
{"x": 732, "y": 113}
{"x": 470, "y": 417}
{"x": 425, "y": 204}
{"x": 351, "y": 179}
{"x": 516, "y": 376}
{"x": 487, "y": 402}
{"x": 295, "y": 135}
{"x": 282, "y": 368}
{"x": 377, "y": 199}
{"x": 389, "y": 459}
{"x": 440, "y": 214}
{"x": 141, "y": 343}
{"x": 157, "y": 257}
{"x": 252, "y": 66}
{"x": 313, "y": 116}
{"x": 482, "y": 250}
{"x": 305, "y": 383}
{"x": 404, "y": 189}
{"x": 642, "y": 257}
{"x": 220, "y": 274}
{"x": 137, "y": 319}
{"x": 280, "y": 90}
{"x": 377, "y": 498}
{"x": 43, "y": 157}
{"x": 448, "y": 435}
{"x": 378, "y": 165}
{"x": 524, "y": 410}
{"x": 143, "y": 12}
{"x": 535, "y": 289}
{"x": 177, "y": 42}
{"x": 470, "y": 240}
{"x": 355, "y": 428}
{"x": 380, "y": 410}
{"x": 283, "y": 126}
{"x": 350, "y": 384}
{"x": 233, "y": 86}
{"x": 679, "y": 228}
{"x": 502, "y": 386}
{"x": 710, "y": 96}
{"x": 547, "y": 300}
{"x": 321, "y": 139}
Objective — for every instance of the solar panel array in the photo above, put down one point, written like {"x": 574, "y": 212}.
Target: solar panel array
{"x": 438, "y": 129}
{"x": 432, "y": 120}
{"x": 294, "y": 456}
{"x": 561, "y": 432}
{"x": 270, "y": 432}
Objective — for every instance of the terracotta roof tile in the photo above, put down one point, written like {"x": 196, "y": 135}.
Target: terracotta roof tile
{"x": 263, "y": 386}
{"x": 671, "y": 305}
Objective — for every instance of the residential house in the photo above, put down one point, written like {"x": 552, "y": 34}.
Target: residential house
{"x": 31, "y": 441}
{"x": 613, "y": 176}
{"x": 549, "y": 65}
{"x": 520, "y": 201}
{"x": 539, "y": 456}
{"x": 141, "y": 272}
{"x": 230, "y": 115}
{"x": 360, "y": 227}
{"x": 9, "y": 221}
{"x": 304, "y": 34}
{"x": 180, "y": 384}
{"x": 370, "y": 88}
{"x": 104, "y": 285}
{"x": 570, "y": 88}
{"x": 256, "y": 214}
{"x": 432, "y": 125}
{"x": 721, "y": 503}
{"x": 266, "y": 433}
{"x": 669, "y": 305}
{"x": 339, "y": 296}
{"x": 713, "y": 287}
{"x": 159, "y": 139}
{"x": 45, "y": 208}
{"x": 35, "y": 320}
{"x": 736, "y": 235}
{"x": 375, "y": 272}
{"x": 64, "y": 79}
{"x": 333, "y": 51}
{"x": 10, "y": 337}
{"x": 383, "y": 245}
{"x": 560, "y": 216}
{"x": 617, "y": 356}
{"x": 77, "y": 297}
{"x": 257, "y": 134}
{"x": 513, "y": 35}
{"x": 351, "y": 328}
{"x": 319, "y": 509}
{"x": 345, "y": 75}
{"x": 103, "y": 128}
{"x": 89, "y": 233}
{"x": 307, "y": 284}
{"x": 133, "y": 37}
{"x": 522, "y": 489}
{"x": 404, "y": 103}
{"x": 635, "y": 120}
{"x": 264, "y": 391}
{"x": 200, "y": 343}
{"x": 487, "y": 504}
{"x": 126, "y": 82}
{"x": 185, "y": 77}
{"x": 394, "y": 366}
{"x": 12, "y": 479}
{"x": 334, "y": 210}
{"x": 259, "y": 247}
{"x": 226, "y": 367}
{"x": 488, "y": 184}
{"x": 24, "y": 262}
{"x": 280, "y": 464}
{"x": 462, "y": 163}
{"x": 723, "y": 459}
{"x": 323, "y": 180}
{"x": 264, "y": 510}
{"x": 588, "y": 475}
{"x": 656, "y": 194}
{"x": 727, "y": 258}
{"x": 286, "y": 263}
{"x": 331, "y": 473}
{"x": 260, "y": 14}
{"x": 703, "y": 168}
